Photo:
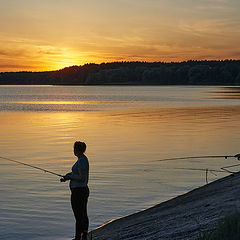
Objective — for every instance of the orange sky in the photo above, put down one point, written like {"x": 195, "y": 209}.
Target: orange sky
{"x": 48, "y": 35}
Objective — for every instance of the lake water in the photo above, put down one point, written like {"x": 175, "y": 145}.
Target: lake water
{"x": 126, "y": 128}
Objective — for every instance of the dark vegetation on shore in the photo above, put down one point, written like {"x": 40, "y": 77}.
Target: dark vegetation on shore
{"x": 225, "y": 72}
{"x": 227, "y": 228}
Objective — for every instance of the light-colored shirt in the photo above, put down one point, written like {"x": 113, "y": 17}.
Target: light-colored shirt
{"x": 81, "y": 163}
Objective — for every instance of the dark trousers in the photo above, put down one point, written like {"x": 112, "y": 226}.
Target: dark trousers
{"x": 79, "y": 199}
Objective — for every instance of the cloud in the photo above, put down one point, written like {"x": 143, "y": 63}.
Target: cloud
{"x": 49, "y": 50}
{"x": 15, "y": 68}
{"x": 13, "y": 52}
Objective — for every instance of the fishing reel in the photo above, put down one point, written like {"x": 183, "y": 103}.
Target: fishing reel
{"x": 62, "y": 179}
{"x": 237, "y": 156}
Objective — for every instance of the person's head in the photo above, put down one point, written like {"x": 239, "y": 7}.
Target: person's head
{"x": 79, "y": 148}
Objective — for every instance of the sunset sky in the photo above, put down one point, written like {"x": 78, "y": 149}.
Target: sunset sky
{"x": 52, "y": 34}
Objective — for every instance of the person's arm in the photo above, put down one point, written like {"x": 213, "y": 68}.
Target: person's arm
{"x": 76, "y": 177}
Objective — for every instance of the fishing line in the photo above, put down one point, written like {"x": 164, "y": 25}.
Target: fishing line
{"x": 201, "y": 169}
{"x": 207, "y": 170}
{"x": 32, "y": 166}
{"x": 225, "y": 168}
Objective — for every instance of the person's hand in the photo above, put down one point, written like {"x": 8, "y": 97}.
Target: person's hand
{"x": 66, "y": 177}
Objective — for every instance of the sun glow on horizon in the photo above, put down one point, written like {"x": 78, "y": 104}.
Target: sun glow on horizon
{"x": 65, "y": 64}
{"x": 64, "y": 58}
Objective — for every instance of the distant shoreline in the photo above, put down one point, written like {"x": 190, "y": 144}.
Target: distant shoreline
{"x": 217, "y": 73}
{"x": 120, "y": 85}
{"x": 183, "y": 217}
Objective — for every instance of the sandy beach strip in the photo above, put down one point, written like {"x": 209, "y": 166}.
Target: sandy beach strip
{"x": 183, "y": 217}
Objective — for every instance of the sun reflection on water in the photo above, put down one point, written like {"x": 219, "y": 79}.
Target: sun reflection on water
{"x": 68, "y": 102}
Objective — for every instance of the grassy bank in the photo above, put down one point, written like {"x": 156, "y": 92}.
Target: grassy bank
{"x": 228, "y": 228}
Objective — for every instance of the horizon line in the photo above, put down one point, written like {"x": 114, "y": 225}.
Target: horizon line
{"x": 92, "y": 63}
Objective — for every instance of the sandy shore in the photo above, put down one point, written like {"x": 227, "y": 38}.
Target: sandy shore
{"x": 183, "y": 217}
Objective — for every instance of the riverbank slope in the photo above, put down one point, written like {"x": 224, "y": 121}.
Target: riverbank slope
{"x": 180, "y": 218}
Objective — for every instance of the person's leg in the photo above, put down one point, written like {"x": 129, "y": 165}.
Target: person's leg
{"x": 85, "y": 220}
{"x": 77, "y": 208}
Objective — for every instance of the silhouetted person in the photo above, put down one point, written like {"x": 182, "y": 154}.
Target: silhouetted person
{"x": 79, "y": 189}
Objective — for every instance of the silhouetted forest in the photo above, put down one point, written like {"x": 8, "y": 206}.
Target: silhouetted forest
{"x": 225, "y": 72}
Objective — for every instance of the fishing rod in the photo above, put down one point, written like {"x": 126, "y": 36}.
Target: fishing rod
{"x": 32, "y": 166}
{"x": 198, "y": 157}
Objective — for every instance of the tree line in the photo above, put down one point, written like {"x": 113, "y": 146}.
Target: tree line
{"x": 225, "y": 72}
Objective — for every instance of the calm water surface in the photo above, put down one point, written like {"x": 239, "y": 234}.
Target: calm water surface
{"x": 126, "y": 129}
